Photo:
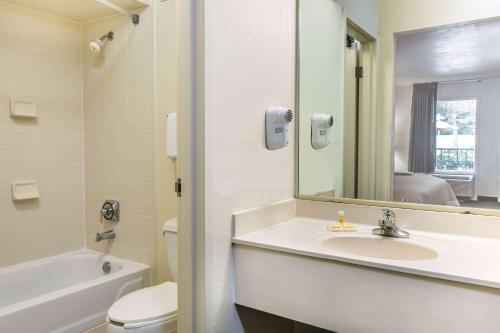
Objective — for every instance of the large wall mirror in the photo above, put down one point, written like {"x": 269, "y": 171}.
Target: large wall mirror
{"x": 445, "y": 142}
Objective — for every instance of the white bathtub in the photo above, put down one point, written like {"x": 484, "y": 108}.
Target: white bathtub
{"x": 67, "y": 293}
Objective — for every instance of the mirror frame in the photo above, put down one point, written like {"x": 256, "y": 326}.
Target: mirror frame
{"x": 365, "y": 202}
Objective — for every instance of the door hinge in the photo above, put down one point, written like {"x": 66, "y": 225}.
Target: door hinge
{"x": 359, "y": 72}
{"x": 178, "y": 187}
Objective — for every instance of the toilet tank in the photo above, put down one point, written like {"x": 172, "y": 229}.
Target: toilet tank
{"x": 170, "y": 238}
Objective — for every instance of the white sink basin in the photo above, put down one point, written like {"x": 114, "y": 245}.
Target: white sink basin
{"x": 380, "y": 247}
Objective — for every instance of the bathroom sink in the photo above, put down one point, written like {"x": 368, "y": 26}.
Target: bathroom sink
{"x": 380, "y": 247}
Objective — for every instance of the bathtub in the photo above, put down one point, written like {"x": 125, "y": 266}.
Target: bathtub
{"x": 66, "y": 293}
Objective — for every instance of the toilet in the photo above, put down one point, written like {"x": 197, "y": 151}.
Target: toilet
{"x": 152, "y": 309}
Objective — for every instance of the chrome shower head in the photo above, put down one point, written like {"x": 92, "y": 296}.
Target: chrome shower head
{"x": 96, "y": 45}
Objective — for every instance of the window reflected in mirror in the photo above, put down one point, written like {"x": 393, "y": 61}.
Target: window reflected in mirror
{"x": 456, "y": 135}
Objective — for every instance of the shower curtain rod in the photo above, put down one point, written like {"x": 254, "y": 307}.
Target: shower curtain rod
{"x": 115, "y": 7}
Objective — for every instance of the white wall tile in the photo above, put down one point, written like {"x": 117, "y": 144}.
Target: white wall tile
{"x": 41, "y": 59}
{"x": 119, "y": 135}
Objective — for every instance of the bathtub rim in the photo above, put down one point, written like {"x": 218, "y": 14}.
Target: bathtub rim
{"x": 128, "y": 267}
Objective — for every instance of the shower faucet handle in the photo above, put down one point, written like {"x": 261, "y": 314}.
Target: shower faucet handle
{"x": 110, "y": 211}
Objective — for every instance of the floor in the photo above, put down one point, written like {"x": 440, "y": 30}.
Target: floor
{"x": 482, "y": 202}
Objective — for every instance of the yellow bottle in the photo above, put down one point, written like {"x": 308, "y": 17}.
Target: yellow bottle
{"x": 341, "y": 218}
{"x": 341, "y": 226}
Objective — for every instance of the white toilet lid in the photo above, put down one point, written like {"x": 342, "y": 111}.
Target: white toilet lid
{"x": 146, "y": 305}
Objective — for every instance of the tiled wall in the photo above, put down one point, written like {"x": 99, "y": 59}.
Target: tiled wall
{"x": 41, "y": 60}
{"x": 119, "y": 135}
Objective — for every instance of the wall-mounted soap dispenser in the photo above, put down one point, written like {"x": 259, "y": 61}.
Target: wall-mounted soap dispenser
{"x": 277, "y": 120}
{"x": 320, "y": 130}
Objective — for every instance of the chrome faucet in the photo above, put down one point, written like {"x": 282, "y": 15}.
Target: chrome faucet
{"x": 387, "y": 226}
{"x": 110, "y": 234}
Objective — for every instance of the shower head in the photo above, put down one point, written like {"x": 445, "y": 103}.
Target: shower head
{"x": 96, "y": 45}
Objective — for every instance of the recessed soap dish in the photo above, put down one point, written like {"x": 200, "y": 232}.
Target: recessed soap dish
{"x": 25, "y": 191}
{"x": 23, "y": 109}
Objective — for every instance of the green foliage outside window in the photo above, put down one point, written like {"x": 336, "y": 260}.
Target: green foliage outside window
{"x": 456, "y": 130}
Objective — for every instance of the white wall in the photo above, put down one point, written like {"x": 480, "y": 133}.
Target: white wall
{"x": 322, "y": 43}
{"x": 322, "y": 35}
{"x": 41, "y": 61}
{"x": 363, "y": 13}
{"x": 402, "y": 120}
{"x": 249, "y": 66}
{"x": 250, "y": 50}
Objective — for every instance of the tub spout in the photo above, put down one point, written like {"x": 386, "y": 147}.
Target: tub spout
{"x": 110, "y": 234}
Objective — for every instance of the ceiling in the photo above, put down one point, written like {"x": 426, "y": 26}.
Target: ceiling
{"x": 456, "y": 52}
{"x": 79, "y": 10}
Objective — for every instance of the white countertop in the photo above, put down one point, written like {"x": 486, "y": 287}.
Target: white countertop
{"x": 460, "y": 258}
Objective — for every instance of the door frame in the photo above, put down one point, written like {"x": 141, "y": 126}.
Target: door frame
{"x": 191, "y": 164}
{"x": 367, "y": 129}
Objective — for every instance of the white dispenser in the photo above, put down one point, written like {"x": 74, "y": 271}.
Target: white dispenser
{"x": 277, "y": 120}
{"x": 320, "y": 130}
{"x": 172, "y": 136}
